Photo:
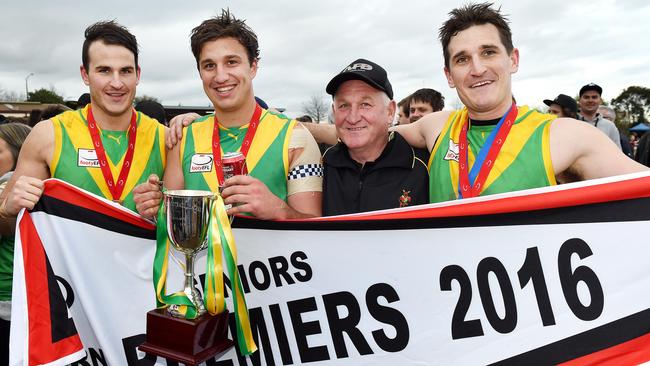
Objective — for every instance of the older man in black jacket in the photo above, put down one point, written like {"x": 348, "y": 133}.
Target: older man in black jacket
{"x": 370, "y": 168}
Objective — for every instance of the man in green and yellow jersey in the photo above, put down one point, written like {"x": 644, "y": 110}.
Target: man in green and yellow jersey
{"x": 283, "y": 160}
{"x": 107, "y": 147}
{"x": 491, "y": 145}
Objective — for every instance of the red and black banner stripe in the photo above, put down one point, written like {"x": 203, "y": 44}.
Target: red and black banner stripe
{"x": 52, "y": 332}
{"x": 625, "y": 341}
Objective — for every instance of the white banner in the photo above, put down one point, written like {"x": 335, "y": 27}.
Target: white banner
{"x": 548, "y": 277}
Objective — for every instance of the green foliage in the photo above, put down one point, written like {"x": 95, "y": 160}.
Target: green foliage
{"x": 45, "y": 96}
{"x": 634, "y": 104}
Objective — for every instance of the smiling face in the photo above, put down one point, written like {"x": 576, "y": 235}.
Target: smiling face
{"x": 589, "y": 102}
{"x": 112, "y": 77}
{"x": 480, "y": 69}
{"x": 227, "y": 74}
{"x": 362, "y": 115}
{"x": 418, "y": 109}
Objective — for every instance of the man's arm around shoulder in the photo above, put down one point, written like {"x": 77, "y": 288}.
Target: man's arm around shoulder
{"x": 424, "y": 132}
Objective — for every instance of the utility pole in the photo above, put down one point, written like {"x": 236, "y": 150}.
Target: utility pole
{"x": 26, "y": 87}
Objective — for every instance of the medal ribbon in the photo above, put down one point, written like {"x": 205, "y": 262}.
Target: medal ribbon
{"x": 246, "y": 144}
{"x": 220, "y": 239}
{"x": 470, "y": 185}
{"x": 116, "y": 188}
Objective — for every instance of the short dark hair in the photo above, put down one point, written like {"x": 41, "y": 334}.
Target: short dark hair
{"x": 429, "y": 96}
{"x": 35, "y": 116}
{"x": 110, "y": 33}
{"x": 470, "y": 15}
{"x": 405, "y": 103}
{"x": 152, "y": 109}
{"x": 84, "y": 99}
{"x": 568, "y": 112}
{"x": 52, "y": 111}
{"x": 305, "y": 118}
{"x": 225, "y": 26}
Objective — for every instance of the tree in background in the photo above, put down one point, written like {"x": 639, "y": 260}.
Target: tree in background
{"x": 10, "y": 96}
{"x": 316, "y": 108}
{"x": 633, "y": 105}
{"x": 45, "y": 96}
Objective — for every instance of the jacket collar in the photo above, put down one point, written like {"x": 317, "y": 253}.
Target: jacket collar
{"x": 397, "y": 154}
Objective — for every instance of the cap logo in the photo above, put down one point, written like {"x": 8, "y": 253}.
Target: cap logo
{"x": 358, "y": 67}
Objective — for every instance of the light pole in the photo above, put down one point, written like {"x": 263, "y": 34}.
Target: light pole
{"x": 26, "y": 87}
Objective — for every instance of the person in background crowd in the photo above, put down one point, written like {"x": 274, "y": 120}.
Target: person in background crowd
{"x": 12, "y": 136}
{"x": 52, "y": 111}
{"x": 152, "y": 109}
{"x": 609, "y": 114}
{"x": 38, "y": 115}
{"x": 84, "y": 100}
{"x": 532, "y": 149}
{"x": 99, "y": 135}
{"x": 424, "y": 101}
{"x": 35, "y": 116}
{"x": 261, "y": 103}
{"x": 562, "y": 106}
{"x": 370, "y": 169}
{"x": 590, "y": 99}
{"x": 285, "y": 174}
{"x": 403, "y": 112}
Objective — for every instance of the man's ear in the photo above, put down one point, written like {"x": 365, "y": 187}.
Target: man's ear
{"x": 514, "y": 58}
{"x": 254, "y": 66}
{"x": 450, "y": 81}
{"x": 138, "y": 72}
{"x": 84, "y": 74}
{"x": 392, "y": 107}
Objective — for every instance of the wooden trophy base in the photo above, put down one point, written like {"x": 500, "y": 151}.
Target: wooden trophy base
{"x": 188, "y": 341}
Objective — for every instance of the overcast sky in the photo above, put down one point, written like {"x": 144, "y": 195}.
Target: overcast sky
{"x": 563, "y": 45}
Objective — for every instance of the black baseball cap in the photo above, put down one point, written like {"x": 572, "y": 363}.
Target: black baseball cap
{"x": 591, "y": 86}
{"x": 366, "y": 71}
{"x": 563, "y": 101}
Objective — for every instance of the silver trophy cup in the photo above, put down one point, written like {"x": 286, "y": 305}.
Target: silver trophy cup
{"x": 188, "y": 220}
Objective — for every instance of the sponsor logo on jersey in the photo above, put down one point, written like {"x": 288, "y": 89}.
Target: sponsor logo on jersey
{"x": 87, "y": 158}
{"x": 452, "y": 153}
{"x": 201, "y": 163}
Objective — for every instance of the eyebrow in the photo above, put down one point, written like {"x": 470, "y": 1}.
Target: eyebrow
{"x": 482, "y": 47}
{"x": 485, "y": 46}
{"x": 227, "y": 57}
{"x": 130, "y": 67}
{"x": 364, "y": 98}
{"x": 459, "y": 54}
